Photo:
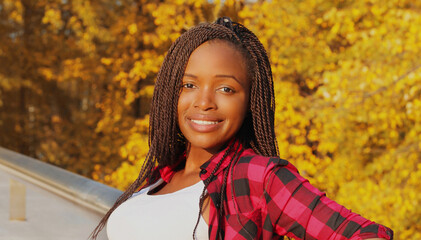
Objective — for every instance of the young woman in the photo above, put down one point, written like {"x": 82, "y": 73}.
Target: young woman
{"x": 213, "y": 171}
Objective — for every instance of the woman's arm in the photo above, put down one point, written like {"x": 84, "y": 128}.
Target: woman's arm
{"x": 299, "y": 210}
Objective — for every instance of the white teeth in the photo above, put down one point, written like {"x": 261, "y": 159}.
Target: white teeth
{"x": 201, "y": 122}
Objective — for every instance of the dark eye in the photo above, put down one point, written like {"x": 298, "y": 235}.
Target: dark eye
{"x": 187, "y": 85}
{"x": 227, "y": 90}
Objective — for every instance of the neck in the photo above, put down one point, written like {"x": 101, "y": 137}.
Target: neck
{"x": 196, "y": 157}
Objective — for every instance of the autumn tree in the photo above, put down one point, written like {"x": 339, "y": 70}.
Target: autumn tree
{"x": 347, "y": 77}
{"x": 51, "y": 81}
{"x": 76, "y": 79}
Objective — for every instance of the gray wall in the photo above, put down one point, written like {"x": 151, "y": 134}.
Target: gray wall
{"x": 59, "y": 204}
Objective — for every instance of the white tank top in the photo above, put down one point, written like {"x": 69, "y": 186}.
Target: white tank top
{"x": 166, "y": 216}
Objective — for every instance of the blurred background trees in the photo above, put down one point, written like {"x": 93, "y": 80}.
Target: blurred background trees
{"x": 76, "y": 79}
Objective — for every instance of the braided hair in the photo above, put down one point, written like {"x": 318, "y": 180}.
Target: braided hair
{"x": 166, "y": 142}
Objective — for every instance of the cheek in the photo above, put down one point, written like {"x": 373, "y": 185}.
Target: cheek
{"x": 243, "y": 103}
{"x": 238, "y": 110}
{"x": 182, "y": 106}
{"x": 245, "y": 108}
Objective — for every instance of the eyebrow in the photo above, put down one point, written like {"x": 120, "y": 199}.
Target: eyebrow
{"x": 218, "y": 76}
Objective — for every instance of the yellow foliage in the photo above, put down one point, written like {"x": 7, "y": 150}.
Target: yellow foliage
{"x": 53, "y": 17}
{"x": 347, "y": 84}
{"x": 347, "y": 93}
{"x": 106, "y": 61}
{"x": 134, "y": 151}
{"x": 15, "y": 10}
{"x": 132, "y": 28}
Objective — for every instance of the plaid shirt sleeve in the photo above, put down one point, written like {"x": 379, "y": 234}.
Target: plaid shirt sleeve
{"x": 295, "y": 208}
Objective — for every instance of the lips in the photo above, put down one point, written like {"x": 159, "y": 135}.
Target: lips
{"x": 204, "y": 123}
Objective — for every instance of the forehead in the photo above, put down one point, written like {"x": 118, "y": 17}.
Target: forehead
{"x": 217, "y": 57}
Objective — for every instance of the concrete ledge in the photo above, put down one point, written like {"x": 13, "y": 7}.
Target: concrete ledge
{"x": 79, "y": 189}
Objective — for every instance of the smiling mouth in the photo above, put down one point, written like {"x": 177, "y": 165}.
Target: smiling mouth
{"x": 205, "y": 126}
{"x": 203, "y": 122}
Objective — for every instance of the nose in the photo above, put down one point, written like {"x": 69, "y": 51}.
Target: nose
{"x": 205, "y": 100}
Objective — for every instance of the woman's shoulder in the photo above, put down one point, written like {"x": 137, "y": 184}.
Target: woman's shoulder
{"x": 251, "y": 158}
{"x": 258, "y": 166}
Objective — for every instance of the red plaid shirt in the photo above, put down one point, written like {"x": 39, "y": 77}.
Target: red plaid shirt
{"x": 268, "y": 199}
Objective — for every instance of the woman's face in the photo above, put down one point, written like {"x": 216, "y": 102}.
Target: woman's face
{"x": 214, "y": 97}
